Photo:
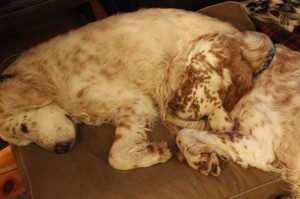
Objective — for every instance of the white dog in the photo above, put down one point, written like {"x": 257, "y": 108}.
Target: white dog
{"x": 266, "y": 119}
{"x": 122, "y": 70}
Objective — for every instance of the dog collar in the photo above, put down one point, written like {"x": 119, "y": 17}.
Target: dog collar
{"x": 269, "y": 58}
{"x": 6, "y": 76}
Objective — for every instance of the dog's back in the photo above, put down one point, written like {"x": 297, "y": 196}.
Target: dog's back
{"x": 127, "y": 50}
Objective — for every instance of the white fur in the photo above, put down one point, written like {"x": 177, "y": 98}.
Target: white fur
{"x": 121, "y": 70}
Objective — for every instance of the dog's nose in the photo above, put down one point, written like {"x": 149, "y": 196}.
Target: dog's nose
{"x": 61, "y": 148}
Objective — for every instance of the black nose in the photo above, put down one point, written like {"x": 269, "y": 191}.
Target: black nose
{"x": 61, "y": 148}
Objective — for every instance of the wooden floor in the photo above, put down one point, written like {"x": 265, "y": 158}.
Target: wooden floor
{"x": 17, "y": 40}
{"x": 10, "y": 180}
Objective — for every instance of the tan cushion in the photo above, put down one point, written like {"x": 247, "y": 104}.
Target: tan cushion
{"x": 83, "y": 172}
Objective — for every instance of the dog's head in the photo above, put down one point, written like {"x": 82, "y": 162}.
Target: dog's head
{"x": 219, "y": 71}
{"x": 27, "y": 115}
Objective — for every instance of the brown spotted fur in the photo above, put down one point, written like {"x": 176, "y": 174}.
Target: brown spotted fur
{"x": 266, "y": 134}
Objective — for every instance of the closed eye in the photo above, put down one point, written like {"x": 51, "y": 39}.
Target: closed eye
{"x": 69, "y": 117}
{"x": 205, "y": 117}
{"x": 24, "y": 128}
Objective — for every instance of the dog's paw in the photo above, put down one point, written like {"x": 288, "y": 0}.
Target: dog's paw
{"x": 208, "y": 164}
{"x": 219, "y": 120}
{"x": 201, "y": 158}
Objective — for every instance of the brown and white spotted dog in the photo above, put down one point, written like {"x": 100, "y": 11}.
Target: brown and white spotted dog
{"x": 213, "y": 84}
{"x": 267, "y": 118}
{"x": 122, "y": 70}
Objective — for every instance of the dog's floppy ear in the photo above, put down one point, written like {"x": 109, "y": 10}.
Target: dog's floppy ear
{"x": 242, "y": 83}
{"x": 236, "y": 69}
{"x": 247, "y": 55}
{"x": 19, "y": 93}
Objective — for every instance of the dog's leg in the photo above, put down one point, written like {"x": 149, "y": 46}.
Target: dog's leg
{"x": 131, "y": 147}
{"x": 243, "y": 149}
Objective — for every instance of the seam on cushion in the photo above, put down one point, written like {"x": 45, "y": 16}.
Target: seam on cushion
{"x": 254, "y": 188}
{"x": 222, "y": 3}
{"x": 25, "y": 173}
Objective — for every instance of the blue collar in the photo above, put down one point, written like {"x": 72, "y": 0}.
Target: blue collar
{"x": 270, "y": 56}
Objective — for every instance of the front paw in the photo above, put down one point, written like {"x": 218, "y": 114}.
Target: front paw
{"x": 208, "y": 164}
{"x": 220, "y": 121}
{"x": 213, "y": 165}
{"x": 198, "y": 156}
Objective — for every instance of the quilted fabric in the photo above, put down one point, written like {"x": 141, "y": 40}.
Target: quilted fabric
{"x": 279, "y": 35}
